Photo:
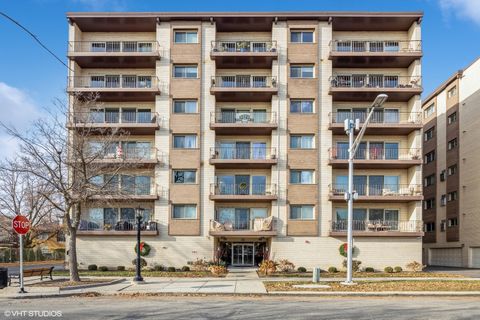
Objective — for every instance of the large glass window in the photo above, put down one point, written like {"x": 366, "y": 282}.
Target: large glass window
{"x": 185, "y": 71}
{"x": 302, "y": 212}
{"x": 185, "y": 211}
{"x": 301, "y": 142}
{"x": 301, "y": 106}
{"x": 184, "y": 176}
{"x": 186, "y": 37}
{"x": 185, "y": 142}
{"x": 301, "y": 36}
{"x": 301, "y": 176}
{"x": 185, "y": 106}
{"x": 301, "y": 71}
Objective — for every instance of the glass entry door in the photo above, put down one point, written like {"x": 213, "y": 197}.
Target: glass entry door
{"x": 242, "y": 254}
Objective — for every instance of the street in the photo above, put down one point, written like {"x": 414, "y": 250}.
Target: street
{"x": 229, "y": 307}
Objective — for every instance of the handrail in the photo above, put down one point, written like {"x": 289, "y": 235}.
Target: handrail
{"x": 379, "y": 225}
{"x": 242, "y": 189}
{"x": 243, "y": 117}
{"x": 249, "y": 224}
{"x": 121, "y": 116}
{"x": 378, "y": 190}
{"x": 373, "y": 153}
{"x": 381, "y": 45}
{"x": 378, "y": 117}
{"x": 244, "y": 46}
{"x": 244, "y": 81}
{"x": 114, "y": 82}
{"x": 116, "y": 225}
{"x": 109, "y": 46}
{"x": 246, "y": 153}
{"x": 374, "y": 81}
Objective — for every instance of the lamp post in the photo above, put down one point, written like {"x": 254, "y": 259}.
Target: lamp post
{"x": 139, "y": 215}
{"x": 350, "y": 126}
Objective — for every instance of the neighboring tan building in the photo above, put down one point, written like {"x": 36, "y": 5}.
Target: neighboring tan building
{"x": 451, "y": 171}
{"x": 237, "y": 121}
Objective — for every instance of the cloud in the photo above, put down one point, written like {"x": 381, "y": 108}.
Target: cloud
{"x": 17, "y": 109}
{"x": 103, "y": 5}
{"x": 469, "y": 9}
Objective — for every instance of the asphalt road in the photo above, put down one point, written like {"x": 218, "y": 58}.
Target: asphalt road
{"x": 216, "y": 307}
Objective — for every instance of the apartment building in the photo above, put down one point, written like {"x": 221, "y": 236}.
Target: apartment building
{"x": 451, "y": 173}
{"x": 237, "y": 122}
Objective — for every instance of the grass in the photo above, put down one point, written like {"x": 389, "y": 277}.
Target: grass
{"x": 403, "y": 274}
{"x": 375, "y": 286}
{"x": 112, "y": 273}
{"x": 62, "y": 283}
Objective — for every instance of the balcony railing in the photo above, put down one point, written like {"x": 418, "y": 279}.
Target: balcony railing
{"x": 244, "y": 81}
{"x": 377, "y": 154}
{"x": 379, "y": 225}
{"x": 374, "y": 81}
{"x": 244, "y": 46}
{"x": 242, "y": 189}
{"x": 114, "y": 82}
{"x": 113, "y": 46}
{"x": 243, "y": 153}
{"x": 256, "y": 225}
{"x": 378, "y": 117}
{"x": 112, "y": 117}
{"x": 129, "y": 189}
{"x": 243, "y": 117}
{"x": 388, "y": 46}
{"x": 396, "y": 190}
{"x": 125, "y": 153}
{"x": 116, "y": 225}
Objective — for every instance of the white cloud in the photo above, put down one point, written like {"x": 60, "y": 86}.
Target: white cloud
{"x": 469, "y": 9}
{"x": 103, "y": 5}
{"x": 17, "y": 109}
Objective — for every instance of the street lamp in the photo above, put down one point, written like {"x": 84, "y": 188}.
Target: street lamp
{"x": 139, "y": 215}
{"x": 350, "y": 126}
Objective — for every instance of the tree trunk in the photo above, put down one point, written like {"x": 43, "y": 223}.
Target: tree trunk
{"x": 72, "y": 255}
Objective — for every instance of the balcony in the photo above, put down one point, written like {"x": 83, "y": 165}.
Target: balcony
{"x": 242, "y": 192}
{"x": 378, "y": 228}
{"x": 378, "y": 193}
{"x": 118, "y": 228}
{"x": 132, "y": 121}
{"x": 244, "y": 53}
{"x": 243, "y": 157}
{"x": 114, "y": 54}
{"x": 365, "y": 87}
{"x": 115, "y": 87}
{"x": 253, "y": 228}
{"x": 244, "y": 88}
{"x": 128, "y": 156}
{"x": 130, "y": 192}
{"x": 376, "y": 158}
{"x": 381, "y": 123}
{"x": 243, "y": 123}
{"x": 374, "y": 54}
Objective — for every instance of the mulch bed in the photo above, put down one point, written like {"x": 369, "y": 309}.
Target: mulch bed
{"x": 403, "y": 274}
{"x": 63, "y": 283}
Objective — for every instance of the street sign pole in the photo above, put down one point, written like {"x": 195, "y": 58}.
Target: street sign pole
{"x": 22, "y": 289}
{"x": 21, "y": 225}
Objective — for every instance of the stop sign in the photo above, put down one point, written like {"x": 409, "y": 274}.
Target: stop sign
{"x": 21, "y": 224}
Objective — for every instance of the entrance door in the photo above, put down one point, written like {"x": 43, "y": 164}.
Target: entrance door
{"x": 242, "y": 254}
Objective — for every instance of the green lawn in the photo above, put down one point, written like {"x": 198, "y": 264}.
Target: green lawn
{"x": 179, "y": 274}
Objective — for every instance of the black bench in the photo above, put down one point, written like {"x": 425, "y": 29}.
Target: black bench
{"x": 32, "y": 273}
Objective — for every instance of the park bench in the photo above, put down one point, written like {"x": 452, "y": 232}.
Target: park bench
{"x": 41, "y": 272}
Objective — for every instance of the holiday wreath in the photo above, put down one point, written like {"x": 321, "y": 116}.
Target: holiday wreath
{"x": 144, "y": 249}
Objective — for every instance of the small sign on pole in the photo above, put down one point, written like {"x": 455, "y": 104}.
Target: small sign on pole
{"x": 21, "y": 225}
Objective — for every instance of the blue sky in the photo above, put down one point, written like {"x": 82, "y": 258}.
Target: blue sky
{"x": 30, "y": 78}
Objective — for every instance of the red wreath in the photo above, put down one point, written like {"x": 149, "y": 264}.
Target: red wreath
{"x": 344, "y": 248}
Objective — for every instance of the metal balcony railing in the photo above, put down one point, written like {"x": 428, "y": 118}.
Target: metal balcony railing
{"x": 374, "y": 81}
{"x": 244, "y": 81}
{"x": 113, "y": 46}
{"x": 389, "y": 46}
{"x": 378, "y": 117}
{"x": 398, "y": 190}
{"x": 129, "y": 189}
{"x": 379, "y": 225}
{"x": 114, "y": 82}
{"x": 244, "y": 46}
{"x": 377, "y": 153}
{"x": 240, "y": 224}
{"x": 117, "y": 152}
{"x": 246, "y": 153}
{"x": 112, "y": 224}
{"x": 243, "y": 117}
{"x": 120, "y": 116}
{"x": 242, "y": 189}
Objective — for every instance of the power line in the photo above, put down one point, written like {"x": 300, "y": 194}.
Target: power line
{"x": 35, "y": 38}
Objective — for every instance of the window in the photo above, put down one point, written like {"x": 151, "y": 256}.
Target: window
{"x": 430, "y": 157}
{"x": 452, "y": 222}
{"x": 185, "y": 211}
{"x": 443, "y": 200}
{"x": 429, "y": 226}
{"x": 185, "y": 106}
{"x": 452, "y": 144}
{"x": 429, "y": 110}
{"x": 429, "y": 204}
{"x": 186, "y": 36}
{"x": 301, "y": 36}
{"x": 301, "y": 106}
{"x": 443, "y": 225}
{"x": 304, "y": 212}
{"x": 452, "y": 118}
{"x": 301, "y": 71}
{"x": 452, "y": 196}
{"x": 301, "y": 176}
{"x": 452, "y": 92}
{"x": 427, "y": 135}
{"x": 301, "y": 142}
{"x": 442, "y": 175}
{"x": 429, "y": 180}
{"x": 185, "y": 72}
{"x": 452, "y": 170}
{"x": 185, "y": 141}
{"x": 184, "y": 176}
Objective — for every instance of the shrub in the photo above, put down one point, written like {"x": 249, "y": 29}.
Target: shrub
{"x": 218, "y": 270}
{"x": 171, "y": 269}
{"x": 388, "y": 269}
{"x": 121, "y": 268}
{"x": 285, "y": 265}
{"x": 103, "y": 268}
{"x": 200, "y": 265}
{"x": 267, "y": 267}
{"x": 158, "y": 267}
{"x": 92, "y": 267}
{"x": 332, "y": 270}
{"x": 369, "y": 269}
{"x": 398, "y": 269}
{"x": 301, "y": 269}
{"x": 143, "y": 262}
{"x": 185, "y": 268}
{"x": 415, "y": 266}
{"x": 355, "y": 265}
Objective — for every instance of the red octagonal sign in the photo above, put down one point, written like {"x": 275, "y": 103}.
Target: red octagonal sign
{"x": 21, "y": 224}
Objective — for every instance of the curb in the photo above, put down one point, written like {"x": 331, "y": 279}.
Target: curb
{"x": 378, "y": 294}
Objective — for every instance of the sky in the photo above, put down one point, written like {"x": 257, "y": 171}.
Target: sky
{"x": 30, "y": 78}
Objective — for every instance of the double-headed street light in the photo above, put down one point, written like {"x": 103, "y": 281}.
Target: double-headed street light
{"x": 350, "y": 126}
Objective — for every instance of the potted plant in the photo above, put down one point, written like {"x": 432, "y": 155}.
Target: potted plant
{"x": 107, "y": 227}
{"x": 243, "y": 46}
